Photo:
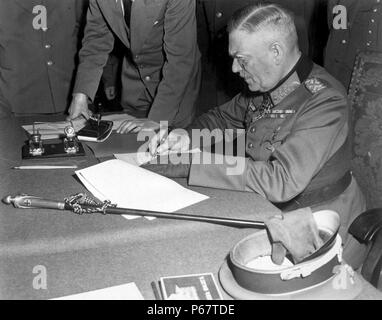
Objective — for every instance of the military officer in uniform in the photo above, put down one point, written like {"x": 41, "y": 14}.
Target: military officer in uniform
{"x": 39, "y": 42}
{"x": 296, "y": 122}
{"x": 161, "y": 68}
{"x": 362, "y": 32}
{"x": 219, "y": 84}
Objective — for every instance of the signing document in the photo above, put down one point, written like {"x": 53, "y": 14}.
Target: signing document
{"x": 129, "y": 186}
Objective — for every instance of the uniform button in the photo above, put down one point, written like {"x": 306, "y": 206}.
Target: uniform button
{"x": 372, "y": 20}
{"x": 370, "y": 32}
{"x": 48, "y": 46}
{"x": 343, "y": 41}
{"x": 253, "y": 130}
{"x": 49, "y": 63}
{"x": 375, "y": 10}
{"x": 219, "y": 14}
{"x": 136, "y": 57}
{"x": 250, "y": 145}
{"x": 368, "y": 44}
{"x": 147, "y": 78}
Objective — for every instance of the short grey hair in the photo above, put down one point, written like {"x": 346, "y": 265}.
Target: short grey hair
{"x": 258, "y": 17}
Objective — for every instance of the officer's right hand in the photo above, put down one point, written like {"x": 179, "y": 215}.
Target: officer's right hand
{"x": 78, "y": 107}
{"x": 161, "y": 143}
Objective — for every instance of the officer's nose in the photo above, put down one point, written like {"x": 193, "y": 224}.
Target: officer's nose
{"x": 236, "y": 68}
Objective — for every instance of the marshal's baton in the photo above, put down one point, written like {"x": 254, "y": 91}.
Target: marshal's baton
{"x": 82, "y": 204}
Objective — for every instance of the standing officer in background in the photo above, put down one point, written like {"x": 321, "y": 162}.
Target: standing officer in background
{"x": 38, "y": 49}
{"x": 363, "y": 32}
{"x": 161, "y": 67}
{"x": 296, "y": 122}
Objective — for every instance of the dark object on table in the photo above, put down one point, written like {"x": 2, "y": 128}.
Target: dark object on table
{"x": 68, "y": 146}
{"x": 52, "y": 149}
{"x": 95, "y": 130}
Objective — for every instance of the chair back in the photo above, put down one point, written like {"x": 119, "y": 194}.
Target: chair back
{"x": 365, "y": 95}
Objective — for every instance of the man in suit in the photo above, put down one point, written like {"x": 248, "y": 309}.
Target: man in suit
{"x": 38, "y": 50}
{"x": 161, "y": 66}
{"x": 295, "y": 123}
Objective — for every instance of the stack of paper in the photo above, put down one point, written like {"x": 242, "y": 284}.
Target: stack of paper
{"x": 127, "y": 291}
{"x": 129, "y": 186}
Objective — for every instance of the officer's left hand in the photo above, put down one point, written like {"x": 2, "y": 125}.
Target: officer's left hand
{"x": 136, "y": 125}
{"x": 295, "y": 231}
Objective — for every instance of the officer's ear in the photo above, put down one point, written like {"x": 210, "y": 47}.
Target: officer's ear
{"x": 277, "y": 52}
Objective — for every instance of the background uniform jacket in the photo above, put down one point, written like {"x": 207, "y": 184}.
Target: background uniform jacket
{"x": 363, "y": 32}
{"x": 37, "y": 67}
{"x": 285, "y": 155}
{"x": 160, "y": 71}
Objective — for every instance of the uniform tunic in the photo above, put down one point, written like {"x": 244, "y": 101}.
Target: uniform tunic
{"x": 363, "y": 32}
{"x": 286, "y": 156}
{"x": 37, "y": 66}
{"x": 161, "y": 67}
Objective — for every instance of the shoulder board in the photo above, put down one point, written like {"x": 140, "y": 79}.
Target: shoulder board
{"x": 314, "y": 85}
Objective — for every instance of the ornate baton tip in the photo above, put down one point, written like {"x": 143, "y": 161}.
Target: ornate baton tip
{"x": 7, "y": 199}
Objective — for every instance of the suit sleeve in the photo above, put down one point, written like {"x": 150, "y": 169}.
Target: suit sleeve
{"x": 182, "y": 56}
{"x": 110, "y": 71}
{"x": 320, "y": 129}
{"x": 97, "y": 43}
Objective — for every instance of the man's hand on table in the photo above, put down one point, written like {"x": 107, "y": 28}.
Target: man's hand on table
{"x": 79, "y": 107}
{"x": 136, "y": 125}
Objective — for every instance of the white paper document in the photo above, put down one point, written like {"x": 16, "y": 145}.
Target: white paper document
{"x": 127, "y": 291}
{"x": 129, "y": 186}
